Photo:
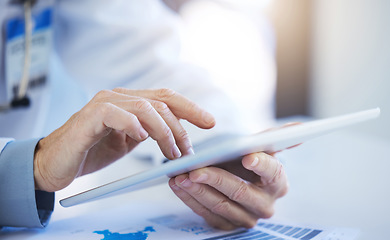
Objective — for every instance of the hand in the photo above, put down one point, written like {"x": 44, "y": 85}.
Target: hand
{"x": 234, "y": 194}
{"x": 110, "y": 126}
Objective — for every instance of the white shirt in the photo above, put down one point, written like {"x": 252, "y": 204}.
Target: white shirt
{"x": 100, "y": 44}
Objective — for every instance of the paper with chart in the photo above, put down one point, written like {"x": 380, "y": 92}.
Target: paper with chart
{"x": 181, "y": 227}
{"x": 169, "y": 219}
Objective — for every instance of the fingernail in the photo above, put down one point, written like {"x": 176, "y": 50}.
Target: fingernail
{"x": 176, "y": 152}
{"x": 203, "y": 177}
{"x": 255, "y": 162}
{"x": 186, "y": 182}
{"x": 175, "y": 187}
{"x": 190, "y": 151}
{"x": 143, "y": 133}
{"x": 208, "y": 118}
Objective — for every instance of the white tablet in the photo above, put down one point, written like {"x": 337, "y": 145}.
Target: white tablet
{"x": 222, "y": 151}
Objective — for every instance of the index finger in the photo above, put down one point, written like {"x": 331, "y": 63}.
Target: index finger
{"x": 181, "y": 106}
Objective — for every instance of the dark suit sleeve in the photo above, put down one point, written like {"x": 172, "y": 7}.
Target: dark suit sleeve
{"x": 20, "y": 204}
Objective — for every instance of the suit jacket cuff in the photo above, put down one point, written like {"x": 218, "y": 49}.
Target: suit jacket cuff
{"x": 20, "y": 204}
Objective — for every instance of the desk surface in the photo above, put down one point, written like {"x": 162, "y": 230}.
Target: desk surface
{"x": 339, "y": 180}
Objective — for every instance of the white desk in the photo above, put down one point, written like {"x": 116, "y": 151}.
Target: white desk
{"x": 340, "y": 180}
{"x": 337, "y": 180}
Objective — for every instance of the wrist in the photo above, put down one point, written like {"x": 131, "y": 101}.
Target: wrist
{"x": 42, "y": 179}
{"x": 38, "y": 179}
{"x": 53, "y": 168}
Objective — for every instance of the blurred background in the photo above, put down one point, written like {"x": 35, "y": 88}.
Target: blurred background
{"x": 332, "y": 57}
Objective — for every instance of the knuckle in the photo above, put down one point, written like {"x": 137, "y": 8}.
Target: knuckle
{"x": 165, "y": 93}
{"x": 183, "y": 134}
{"x": 218, "y": 181}
{"x": 222, "y": 207}
{"x": 283, "y": 191}
{"x": 190, "y": 106}
{"x": 161, "y": 107}
{"x": 264, "y": 211}
{"x": 249, "y": 222}
{"x": 119, "y": 90}
{"x": 225, "y": 226}
{"x": 202, "y": 211}
{"x": 143, "y": 106}
{"x": 104, "y": 94}
{"x": 130, "y": 124}
{"x": 183, "y": 196}
{"x": 268, "y": 212}
{"x": 200, "y": 192}
{"x": 166, "y": 133}
{"x": 99, "y": 111}
{"x": 278, "y": 173}
{"x": 240, "y": 194}
{"x": 264, "y": 207}
{"x": 102, "y": 109}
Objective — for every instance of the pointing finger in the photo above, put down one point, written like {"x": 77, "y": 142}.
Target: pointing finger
{"x": 180, "y": 106}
